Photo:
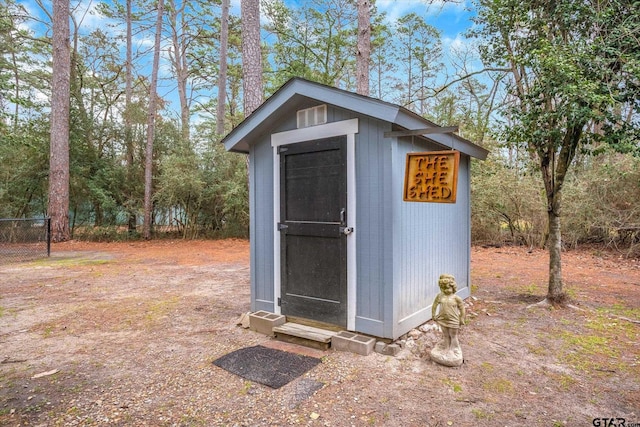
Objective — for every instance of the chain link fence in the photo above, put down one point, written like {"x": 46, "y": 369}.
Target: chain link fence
{"x": 24, "y": 239}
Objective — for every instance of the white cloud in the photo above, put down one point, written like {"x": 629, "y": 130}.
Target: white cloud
{"x": 89, "y": 18}
{"x": 454, "y": 44}
{"x": 397, "y": 8}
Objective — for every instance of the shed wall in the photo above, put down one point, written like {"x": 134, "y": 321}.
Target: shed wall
{"x": 428, "y": 239}
{"x": 374, "y": 298}
{"x": 261, "y": 225}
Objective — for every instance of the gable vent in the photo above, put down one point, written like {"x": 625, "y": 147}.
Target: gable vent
{"x": 312, "y": 116}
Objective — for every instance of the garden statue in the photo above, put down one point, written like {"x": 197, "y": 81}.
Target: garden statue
{"x": 450, "y": 317}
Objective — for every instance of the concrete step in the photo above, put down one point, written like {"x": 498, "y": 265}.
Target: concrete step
{"x": 304, "y": 335}
{"x": 355, "y": 343}
{"x": 264, "y": 322}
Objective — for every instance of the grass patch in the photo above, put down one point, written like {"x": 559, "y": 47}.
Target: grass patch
{"x": 622, "y": 311}
{"x": 481, "y": 414}
{"x": 588, "y": 352}
{"x": 68, "y": 262}
{"x": 246, "y": 386}
{"x": 48, "y": 331}
{"x": 565, "y": 382}
{"x": 537, "y": 350}
{"x": 529, "y": 290}
{"x": 498, "y": 385}
{"x": 487, "y": 367}
{"x": 532, "y": 289}
{"x": 160, "y": 309}
{"x": 129, "y": 313}
{"x": 456, "y": 387}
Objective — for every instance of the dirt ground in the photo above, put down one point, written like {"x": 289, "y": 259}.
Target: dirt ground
{"x": 124, "y": 334}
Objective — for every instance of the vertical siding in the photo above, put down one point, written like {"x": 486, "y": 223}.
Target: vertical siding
{"x": 262, "y": 222}
{"x": 374, "y": 276}
{"x": 428, "y": 239}
{"x": 262, "y": 226}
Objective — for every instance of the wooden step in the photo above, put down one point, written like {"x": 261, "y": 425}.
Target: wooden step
{"x": 304, "y": 335}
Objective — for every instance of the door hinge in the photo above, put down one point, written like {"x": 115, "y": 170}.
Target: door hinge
{"x": 279, "y": 302}
{"x": 282, "y": 226}
{"x": 282, "y": 149}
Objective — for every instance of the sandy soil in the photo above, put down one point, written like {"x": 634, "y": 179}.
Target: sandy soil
{"x": 124, "y": 334}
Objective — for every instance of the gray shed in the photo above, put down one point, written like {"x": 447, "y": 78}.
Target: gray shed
{"x": 333, "y": 238}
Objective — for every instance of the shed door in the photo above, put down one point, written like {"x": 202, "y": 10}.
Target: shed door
{"x": 313, "y": 203}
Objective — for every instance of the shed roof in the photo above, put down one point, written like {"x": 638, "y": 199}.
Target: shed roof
{"x": 297, "y": 91}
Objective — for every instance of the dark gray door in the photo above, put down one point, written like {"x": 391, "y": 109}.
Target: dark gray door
{"x": 313, "y": 203}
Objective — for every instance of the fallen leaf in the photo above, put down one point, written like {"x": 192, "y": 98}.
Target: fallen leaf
{"x": 45, "y": 374}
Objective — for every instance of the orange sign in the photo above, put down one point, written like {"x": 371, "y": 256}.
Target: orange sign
{"x": 431, "y": 177}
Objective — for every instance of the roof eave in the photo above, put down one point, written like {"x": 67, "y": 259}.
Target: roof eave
{"x": 238, "y": 139}
{"x": 409, "y": 120}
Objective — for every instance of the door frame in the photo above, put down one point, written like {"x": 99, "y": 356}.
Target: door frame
{"x": 348, "y": 128}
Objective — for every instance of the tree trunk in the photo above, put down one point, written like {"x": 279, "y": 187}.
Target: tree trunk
{"x": 128, "y": 132}
{"x": 16, "y": 82}
{"x": 553, "y": 185}
{"x": 222, "y": 77}
{"x": 555, "y": 293}
{"x": 554, "y": 167}
{"x": 151, "y": 123}
{"x": 59, "y": 144}
{"x": 364, "y": 47}
{"x": 251, "y": 55}
{"x": 180, "y": 63}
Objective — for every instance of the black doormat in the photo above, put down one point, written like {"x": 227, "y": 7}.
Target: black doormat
{"x": 268, "y": 366}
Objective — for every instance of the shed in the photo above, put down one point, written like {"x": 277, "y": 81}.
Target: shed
{"x": 332, "y": 238}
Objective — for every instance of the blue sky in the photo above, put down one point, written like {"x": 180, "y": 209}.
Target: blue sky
{"x": 452, "y": 18}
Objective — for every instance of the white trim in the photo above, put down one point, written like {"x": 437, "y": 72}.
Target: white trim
{"x": 351, "y": 239}
{"x": 345, "y": 127}
{"x": 276, "y": 233}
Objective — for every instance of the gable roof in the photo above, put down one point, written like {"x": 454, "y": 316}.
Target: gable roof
{"x": 297, "y": 90}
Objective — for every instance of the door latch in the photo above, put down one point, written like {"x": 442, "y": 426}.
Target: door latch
{"x": 346, "y": 230}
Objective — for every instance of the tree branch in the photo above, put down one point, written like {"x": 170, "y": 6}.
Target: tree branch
{"x": 465, "y": 77}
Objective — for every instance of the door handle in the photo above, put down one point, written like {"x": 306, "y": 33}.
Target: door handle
{"x": 343, "y": 212}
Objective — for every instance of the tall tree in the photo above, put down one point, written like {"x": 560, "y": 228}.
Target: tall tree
{"x": 383, "y": 67}
{"x": 128, "y": 120}
{"x": 151, "y": 123}
{"x": 189, "y": 28}
{"x": 363, "y": 56}
{"x": 222, "y": 76}
{"x": 574, "y": 79}
{"x": 180, "y": 39}
{"x": 419, "y": 54}
{"x": 59, "y": 145}
{"x": 316, "y": 41}
{"x": 21, "y": 57}
{"x": 251, "y": 55}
